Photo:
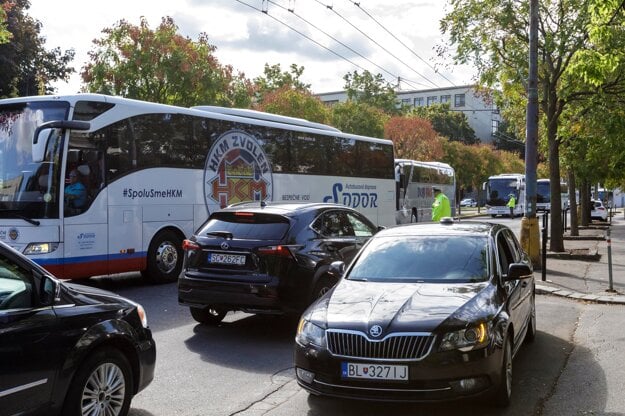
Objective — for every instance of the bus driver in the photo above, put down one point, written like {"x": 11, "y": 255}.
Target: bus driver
{"x": 75, "y": 192}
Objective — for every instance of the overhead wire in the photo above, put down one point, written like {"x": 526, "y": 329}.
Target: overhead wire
{"x": 301, "y": 34}
{"x": 357, "y": 4}
{"x": 331, "y": 8}
{"x": 292, "y": 11}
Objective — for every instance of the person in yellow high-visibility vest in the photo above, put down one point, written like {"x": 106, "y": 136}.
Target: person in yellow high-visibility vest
{"x": 440, "y": 206}
{"x": 512, "y": 205}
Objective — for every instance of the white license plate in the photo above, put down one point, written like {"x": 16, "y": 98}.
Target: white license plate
{"x": 374, "y": 371}
{"x": 219, "y": 258}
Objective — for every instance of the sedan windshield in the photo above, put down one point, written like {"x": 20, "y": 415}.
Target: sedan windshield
{"x": 449, "y": 259}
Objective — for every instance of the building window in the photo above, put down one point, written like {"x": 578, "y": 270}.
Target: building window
{"x": 405, "y": 102}
{"x": 432, "y": 100}
{"x": 418, "y": 102}
{"x": 459, "y": 100}
{"x": 494, "y": 126}
{"x": 331, "y": 103}
{"x": 445, "y": 99}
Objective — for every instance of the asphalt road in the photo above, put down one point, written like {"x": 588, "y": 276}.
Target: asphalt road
{"x": 244, "y": 366}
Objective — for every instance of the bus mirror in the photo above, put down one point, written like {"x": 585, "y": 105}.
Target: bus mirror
{"x": 42, "y": 134}
{"x": 39, "y": 145}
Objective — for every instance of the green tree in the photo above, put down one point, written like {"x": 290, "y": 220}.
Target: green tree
{"x": 26, "y": 67}
{"x": 451, "y": 124}
{"x": 493, "y": 36}
{"x": 5, "y": 35}
{"x": 162, "y": 66}
{"x": 372, "y": 90}
{"x": 274, "y": 79}
{"x": 294, "y": 103}
{"x": 358, "y": 118}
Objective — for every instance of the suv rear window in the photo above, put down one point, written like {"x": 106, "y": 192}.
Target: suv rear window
{"x": 247, "y": 225}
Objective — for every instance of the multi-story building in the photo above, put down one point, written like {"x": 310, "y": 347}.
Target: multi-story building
{"x": 481, "y": 112}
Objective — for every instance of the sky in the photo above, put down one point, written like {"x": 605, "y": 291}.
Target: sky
{"x": 402, "y": 46}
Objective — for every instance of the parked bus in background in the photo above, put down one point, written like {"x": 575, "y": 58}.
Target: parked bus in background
{"x": 543, "y": 195}
{"x": 415, "y": 196}
{"x": 152, "y": 173}
{"x": 498, "y": 190}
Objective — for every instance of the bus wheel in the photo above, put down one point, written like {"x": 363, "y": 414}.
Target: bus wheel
{"x": 164, "y": 258}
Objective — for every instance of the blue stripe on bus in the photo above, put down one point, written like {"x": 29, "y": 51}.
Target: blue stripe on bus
{"x": 89, "y": 259}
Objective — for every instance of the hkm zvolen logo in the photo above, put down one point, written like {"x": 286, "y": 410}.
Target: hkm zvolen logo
{"x": 237, "y": 170}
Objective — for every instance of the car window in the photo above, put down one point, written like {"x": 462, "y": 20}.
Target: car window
{"x": 513, "y": 244}
{"x": 504, "y": 253}
{"x": 247, "y": 226}
{"x": 449, "y": 259}
{"x": 360, "y": 226}
{"x": 334, "y": 224}
{"x": 15, "y": 285}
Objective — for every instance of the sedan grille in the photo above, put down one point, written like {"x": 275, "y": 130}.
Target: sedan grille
{"x": 400, "y": 346}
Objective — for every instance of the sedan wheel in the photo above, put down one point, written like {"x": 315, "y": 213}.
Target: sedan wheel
{"x": 504, "y": 388}
{"x": 530, "y": 335}
{"x": 102, "y": 386}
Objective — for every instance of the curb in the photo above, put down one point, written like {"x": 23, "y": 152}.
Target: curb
{"x": 592, "y": 255}
{"x": 609, "y": 299}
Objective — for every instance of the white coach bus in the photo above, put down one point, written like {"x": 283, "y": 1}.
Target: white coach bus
{"x": 415, "y": 182}
{"x": 153, "y": 173}
{"x": 498, "y": 190}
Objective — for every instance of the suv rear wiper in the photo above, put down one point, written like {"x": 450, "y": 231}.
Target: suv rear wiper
{"x": 223, "y": 234}
{"x": 15, "y": 214}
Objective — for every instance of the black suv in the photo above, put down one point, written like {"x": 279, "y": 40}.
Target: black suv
{"x": 263, "y": 258}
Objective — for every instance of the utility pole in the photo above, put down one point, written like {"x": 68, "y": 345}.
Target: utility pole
{"x": 529, "y": 225}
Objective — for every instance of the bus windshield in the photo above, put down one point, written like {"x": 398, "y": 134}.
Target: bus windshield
{"x": 500, "y": 190}
{"x": 28, "y": 189}
{"x": 543, "y": 193}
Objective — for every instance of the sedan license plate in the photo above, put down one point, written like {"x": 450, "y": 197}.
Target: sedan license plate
{"x": 374, "y": 371}
{"x": 219, "y": 258}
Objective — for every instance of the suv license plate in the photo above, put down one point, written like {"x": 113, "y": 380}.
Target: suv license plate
{"x": 218, "y": 258}
{"x": 374, "y": 371}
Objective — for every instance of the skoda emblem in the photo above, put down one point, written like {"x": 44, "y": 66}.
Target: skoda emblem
{"x": 14, "y": 234}
{"x": 375, "y": 331}
{"x": 225, "y": 246}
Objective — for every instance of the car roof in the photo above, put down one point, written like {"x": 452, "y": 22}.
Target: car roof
{"x": 466, "y": 228}
{"x": 282, "y": 208}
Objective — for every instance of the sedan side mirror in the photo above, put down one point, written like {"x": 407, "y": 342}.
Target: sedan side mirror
{"x": 518, "y": 271}
{"x": 337, "y": 268}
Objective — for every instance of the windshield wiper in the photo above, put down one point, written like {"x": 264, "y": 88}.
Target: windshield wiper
{"x": 15, "y": 214}
{"x": 222, "y": 234}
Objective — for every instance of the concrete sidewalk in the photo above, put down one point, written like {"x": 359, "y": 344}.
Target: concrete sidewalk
{"x": 582, "y": 271}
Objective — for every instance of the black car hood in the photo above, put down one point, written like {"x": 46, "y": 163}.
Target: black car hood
{"x": 396, "y": 307}
{"x": 88, "y": 295}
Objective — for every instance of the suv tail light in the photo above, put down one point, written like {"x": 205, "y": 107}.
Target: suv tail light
{"x": 188, "y": 245}
{"x": 281, "y": 251}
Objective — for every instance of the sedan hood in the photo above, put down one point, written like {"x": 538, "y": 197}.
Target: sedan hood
{"x": 87, "y": 295}
{"x": 396, "y": 307}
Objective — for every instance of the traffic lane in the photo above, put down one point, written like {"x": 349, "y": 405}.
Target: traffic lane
{"x": 204, "y": 370}
{"x": 536, "y": 368}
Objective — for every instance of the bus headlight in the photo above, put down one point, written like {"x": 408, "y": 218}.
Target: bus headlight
{"x": 40, "y": 248}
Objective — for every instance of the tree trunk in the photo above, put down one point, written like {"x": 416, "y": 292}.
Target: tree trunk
{"x": 584, "y": 196}
{"x": 556, "y": 242}
{"x": 573, "y": 204}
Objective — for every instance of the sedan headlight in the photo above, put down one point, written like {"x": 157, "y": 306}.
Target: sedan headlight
{"x": 467, "y": 339}
{"x": 309, "y": 333}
